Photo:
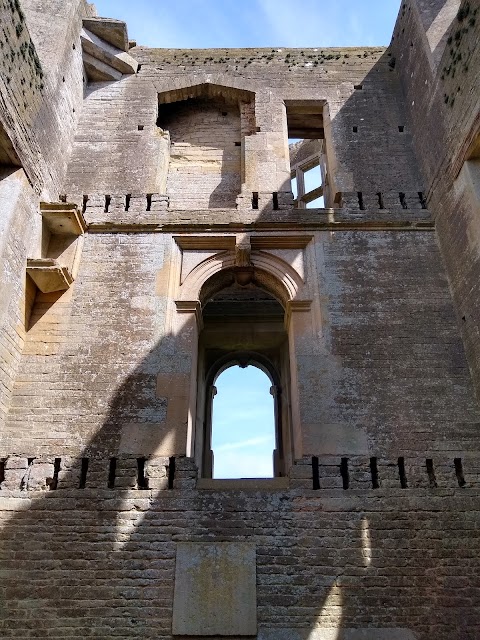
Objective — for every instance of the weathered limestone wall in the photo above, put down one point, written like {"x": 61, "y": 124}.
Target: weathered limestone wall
{"x": 392, "y": 363}
{"x": 17, "y": 201}
{"x": 388, "y": 563}
{"x": 377, "y": 158}
{"x": 111, "y": 154}
{"x": 40, "y": 101}
{"x": 42, "y": 90}
{"x": 373, "y": 531}
{"x": 80, "y": 373}
{"x": 444, "y": 108}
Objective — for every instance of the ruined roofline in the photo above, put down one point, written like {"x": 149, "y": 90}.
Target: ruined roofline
{"x": 271, "y": 49}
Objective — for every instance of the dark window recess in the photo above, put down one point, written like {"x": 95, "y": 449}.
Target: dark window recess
{"x": 255, "y": 200}
{"x": 380, "y": 201}
{"x": 142, "y": 480}
{"x": 401, "y": 128}
{"x": 138, "y": 68}
{"x": 141, "y": 127}
{"x": 62, "y": 198}
{"x": 83, "y": 474}
{"x": 355, "y": 129}
{"x": 128, "y": 197}
{"x": 344, "y": 473}
{"x": 374, "y": 473}
{"x": 149, "y": 201}
{"x": 108, "y": 199}
{"x": 111, "y": 473}
{"x": 2, "y": 470}
{"x": 315, "y": 473}
{"x": 275, "y": 200}
{"x": 459, "y": 472}
{"x": 431, "y": 473}
{"x": 84, "y": 204}
{"x": 358, "y": 87}
{"x": 171, "y": 472}
{"x": 238, "y": 144}
{"x": 401, "y": 473}
{"x": 53, "y": 482}
{"x": 361, "y": 204}
{"x": 422, "y": 199}
{"x": 403, "y": 200}
{"x": 224, "y": 113}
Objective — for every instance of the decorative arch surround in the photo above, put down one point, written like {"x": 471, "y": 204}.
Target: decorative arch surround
{"x": 268, "y": 267}
{"x": 266, "y": 270}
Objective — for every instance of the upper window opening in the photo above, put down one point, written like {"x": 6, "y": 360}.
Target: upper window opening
{"x": 308, "y": 164}
{"x": 205, "y": 164}
{"x": 243, "y": 425}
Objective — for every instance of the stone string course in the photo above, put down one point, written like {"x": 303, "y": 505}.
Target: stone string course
{"x": 37, "y": 474}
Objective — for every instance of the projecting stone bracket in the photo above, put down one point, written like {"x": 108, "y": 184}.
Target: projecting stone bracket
{"x": 105, "y": 45}
{"x": 48, "y": 275}
{"x": 64, "y": 224}
{"x": 63, "y": 218}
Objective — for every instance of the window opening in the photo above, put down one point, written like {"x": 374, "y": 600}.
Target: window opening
{"x": 243, "y": 332}
{"x": 243, "y": 425}
{"x": 308, "y": 163}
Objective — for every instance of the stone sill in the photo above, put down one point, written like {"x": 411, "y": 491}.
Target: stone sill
{"x": 248, "y": 484}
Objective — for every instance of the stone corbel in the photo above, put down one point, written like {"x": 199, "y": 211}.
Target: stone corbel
{"x": 243, "y": 259}
{"x": 296, "y": 306}
{"x": 191, "y": 306}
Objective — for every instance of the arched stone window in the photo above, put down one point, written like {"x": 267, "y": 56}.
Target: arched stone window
{"x": 242, "y": 298}
{"x": 242, "y": 324}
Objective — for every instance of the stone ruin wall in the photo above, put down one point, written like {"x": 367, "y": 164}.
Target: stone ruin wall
{"x": 369, "y": 529}
{"x": 441, "y": 85}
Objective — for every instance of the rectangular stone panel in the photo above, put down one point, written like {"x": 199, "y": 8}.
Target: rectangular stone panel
{"x": 215, "y": 590}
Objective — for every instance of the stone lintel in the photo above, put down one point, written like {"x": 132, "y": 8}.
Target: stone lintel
{"x": 243, "y": 484}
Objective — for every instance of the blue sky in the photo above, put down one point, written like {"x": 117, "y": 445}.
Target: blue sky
{"x": 243, "y": 437}
{"x": 255, "y": 23}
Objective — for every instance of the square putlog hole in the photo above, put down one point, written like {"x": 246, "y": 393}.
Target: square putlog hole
{"x": 215, "y": 590}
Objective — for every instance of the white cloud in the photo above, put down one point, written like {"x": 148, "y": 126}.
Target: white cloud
{"x": 252, "y": 442}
